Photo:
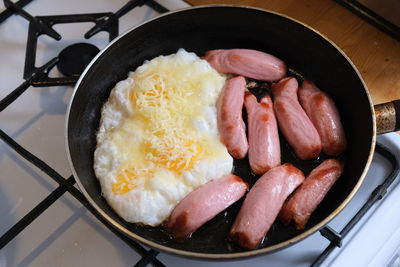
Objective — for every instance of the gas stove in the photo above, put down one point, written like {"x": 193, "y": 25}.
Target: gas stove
{"x": 59, "y": 227}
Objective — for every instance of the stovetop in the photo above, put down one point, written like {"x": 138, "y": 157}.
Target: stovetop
{"x": 67, "y": 234}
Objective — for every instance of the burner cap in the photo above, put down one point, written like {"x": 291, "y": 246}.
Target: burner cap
{"x": 75, "y": 58}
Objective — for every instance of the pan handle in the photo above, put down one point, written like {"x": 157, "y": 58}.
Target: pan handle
{"x": 387, "y": 117}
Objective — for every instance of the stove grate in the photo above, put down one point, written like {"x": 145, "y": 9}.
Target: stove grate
{"x": 106, "y": 21}
{"x": 377, "y": 194}
{"x": 11, "y": 11}
{"x": 36, "y": 30}
{"x": 36, "y": 74}
{"x": 64, "y": 186}
{"x": 39, "y": 25}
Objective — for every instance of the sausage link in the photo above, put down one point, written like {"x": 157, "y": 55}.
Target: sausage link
{"x": 264, "y": 147}
{"x": 231, "y": 127}
{"x": 299, "y": 206}
{"x": 203, "y": 204}
{"x": 262, "y": 204}
{"x": 324, "y": 115}
{"x": 297, "y": 128}
{"x": 247, "y": 62}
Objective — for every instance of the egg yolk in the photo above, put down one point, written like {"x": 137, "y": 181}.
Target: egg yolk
{"x": 176, "y": 159}
{"x": 125, "y": 179}
{"x": 124, "y": 183}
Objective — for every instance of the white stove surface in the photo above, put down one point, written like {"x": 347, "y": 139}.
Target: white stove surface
{"x": 67, "y": 234}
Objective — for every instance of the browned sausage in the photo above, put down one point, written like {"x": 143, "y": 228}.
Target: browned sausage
{"x": 264, "y": 147}
{"x": 229, "y": 117}
{"x": 297, "y": 128}
{"x": 306, "y": 198}
{"x": 324, "y": 115}
{"x": 262, "y": 204}
{"x": 248, "y": 63}
{"x": 204, "y": 203}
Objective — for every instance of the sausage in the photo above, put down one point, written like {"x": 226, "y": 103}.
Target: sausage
{"x": 204, "y": 203}
{"x": 247, "y": 62}
{"x": 324, "y": 115}
{"x": 230, "y": 123}
{"x": 264, "y": 147}
{"x": 294, "y": 123}
{"x": 262, "y": 204}
{"x": 306, "y": 198}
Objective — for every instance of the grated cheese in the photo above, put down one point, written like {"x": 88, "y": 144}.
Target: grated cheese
{"x": 168, "y": 99}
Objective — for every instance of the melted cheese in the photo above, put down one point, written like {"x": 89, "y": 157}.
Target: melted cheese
{"x": 167, "y": 99}
{"x": 158, "y": 138}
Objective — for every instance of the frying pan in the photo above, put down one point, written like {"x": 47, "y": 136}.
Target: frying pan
{"x": 199, "y": 29}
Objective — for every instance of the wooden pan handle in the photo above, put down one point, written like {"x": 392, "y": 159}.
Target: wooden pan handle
{"x": 387, "y": 117}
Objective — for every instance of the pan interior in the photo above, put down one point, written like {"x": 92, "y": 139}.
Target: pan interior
{"x": 198, "y": 30}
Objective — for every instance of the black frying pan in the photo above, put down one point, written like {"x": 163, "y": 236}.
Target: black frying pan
{"x": 198, "y": 30}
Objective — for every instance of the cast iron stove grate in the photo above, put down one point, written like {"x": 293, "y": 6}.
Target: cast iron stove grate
{"x": 39, "y": 77}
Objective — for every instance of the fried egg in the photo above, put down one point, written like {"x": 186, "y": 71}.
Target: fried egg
{"x": 158, "y": 138}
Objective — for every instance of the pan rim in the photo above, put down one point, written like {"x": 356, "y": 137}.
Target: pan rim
{"x": 221, "y": 256}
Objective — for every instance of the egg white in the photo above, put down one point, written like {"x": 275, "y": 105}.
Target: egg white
{"x": 123, "y": 130}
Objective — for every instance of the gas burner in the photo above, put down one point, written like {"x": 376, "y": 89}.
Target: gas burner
{"x": 74, "y": 58}
{"x": 71, "y": 72}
